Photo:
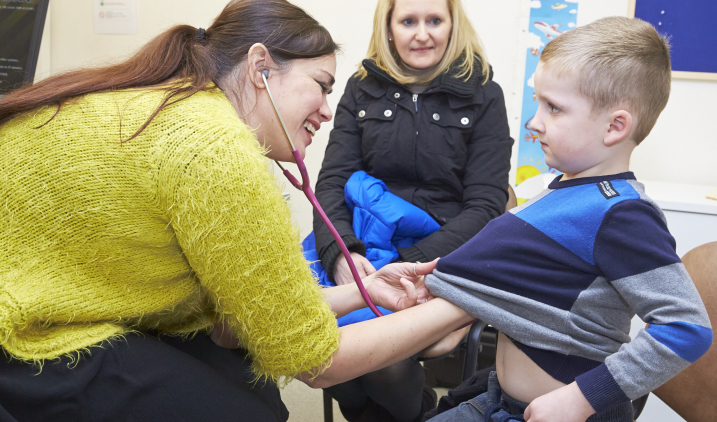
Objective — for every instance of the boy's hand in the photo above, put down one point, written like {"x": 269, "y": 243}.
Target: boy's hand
{"x": 566, "y": 404}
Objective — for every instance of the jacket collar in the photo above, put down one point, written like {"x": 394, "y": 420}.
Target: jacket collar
{"x": 447, "y": 82}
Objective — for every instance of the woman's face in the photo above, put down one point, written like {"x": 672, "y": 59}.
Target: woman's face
{"x": 300, "y": 95}
{"x": 420, "y": 30}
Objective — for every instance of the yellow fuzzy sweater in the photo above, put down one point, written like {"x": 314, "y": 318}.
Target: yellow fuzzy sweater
{"x": 174, "y": 230}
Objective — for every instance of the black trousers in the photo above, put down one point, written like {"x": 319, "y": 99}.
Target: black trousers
{"x": 141, "y": 378}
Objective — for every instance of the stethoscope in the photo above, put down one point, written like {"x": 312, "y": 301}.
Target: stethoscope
{"x": 306, "y": 188}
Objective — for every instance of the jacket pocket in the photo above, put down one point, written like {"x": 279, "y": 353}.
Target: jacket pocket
{"x": 376, "y": 124}
{"x": 460, "y": 119}
{"x": 450, "y": 132}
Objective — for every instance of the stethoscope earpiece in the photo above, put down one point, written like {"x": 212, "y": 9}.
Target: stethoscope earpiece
{"x": 265, "y": 73}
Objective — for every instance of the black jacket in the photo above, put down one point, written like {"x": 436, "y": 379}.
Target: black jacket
{"x": 446, "y": 150}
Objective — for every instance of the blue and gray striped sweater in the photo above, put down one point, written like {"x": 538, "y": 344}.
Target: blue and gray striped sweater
{"x": 563, "y": 275}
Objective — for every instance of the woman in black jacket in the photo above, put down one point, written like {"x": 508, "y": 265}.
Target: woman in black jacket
{"x": 423, "y": 115}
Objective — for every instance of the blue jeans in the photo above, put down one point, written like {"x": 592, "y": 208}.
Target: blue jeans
{"x": 496, "y": 406}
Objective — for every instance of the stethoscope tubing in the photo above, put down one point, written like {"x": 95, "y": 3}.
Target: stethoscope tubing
{"x": 305, "y": 187}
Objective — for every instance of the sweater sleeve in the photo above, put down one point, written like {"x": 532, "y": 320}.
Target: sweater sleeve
{"x": 342, "y": 158}
{"x": 235, "y": 230}
{"x": 485, "y": 183}
{"x": 636, "y": 253}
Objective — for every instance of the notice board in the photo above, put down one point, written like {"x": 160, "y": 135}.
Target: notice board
{"x": 690, "y": 24}
{"x": 21, "y": 25}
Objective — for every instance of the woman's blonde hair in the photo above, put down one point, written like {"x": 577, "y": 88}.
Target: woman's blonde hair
{"x": 464, "y": 47}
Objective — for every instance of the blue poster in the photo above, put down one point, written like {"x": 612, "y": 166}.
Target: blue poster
{"x": 690, "y": 26}
{"x": 547, "y": 21}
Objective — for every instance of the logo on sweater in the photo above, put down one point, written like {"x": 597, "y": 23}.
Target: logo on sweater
{"x": 607, "y": 190}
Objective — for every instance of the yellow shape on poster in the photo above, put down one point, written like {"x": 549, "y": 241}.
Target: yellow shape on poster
{"x": 524, "y": 173}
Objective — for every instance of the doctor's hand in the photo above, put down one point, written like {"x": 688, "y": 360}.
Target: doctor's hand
{"x": 342, "y": 272}
{"x": 396, "y": 287}
{"x": 566, "y": 404}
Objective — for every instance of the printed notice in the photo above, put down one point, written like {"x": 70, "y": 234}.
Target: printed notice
{"x": 115, "y": 16}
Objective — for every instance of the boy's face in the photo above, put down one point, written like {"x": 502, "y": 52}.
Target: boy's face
{"x": 570, "y": 134}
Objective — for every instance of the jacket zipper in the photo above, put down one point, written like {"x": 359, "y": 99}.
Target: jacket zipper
{"x": 415, "y": 141}
{"x": 415, "y": 104}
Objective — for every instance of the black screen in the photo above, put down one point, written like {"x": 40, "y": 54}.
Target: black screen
{"x": 21, "y": 24}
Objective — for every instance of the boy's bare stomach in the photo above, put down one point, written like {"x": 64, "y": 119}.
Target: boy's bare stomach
{"x": 518, "y": 375}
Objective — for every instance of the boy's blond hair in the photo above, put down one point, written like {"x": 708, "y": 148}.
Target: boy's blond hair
{"x": 616, "y": 61}
{"x": 464, "y": 46}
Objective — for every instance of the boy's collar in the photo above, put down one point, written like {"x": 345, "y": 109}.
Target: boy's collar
{"x": 557, "y": 184}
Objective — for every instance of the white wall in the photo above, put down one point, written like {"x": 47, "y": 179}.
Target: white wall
{"x": 682, "y": 146}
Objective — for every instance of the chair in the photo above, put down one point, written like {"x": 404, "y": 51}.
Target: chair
{"x": 474, "y": 352}
{"x": 692, "y": 392}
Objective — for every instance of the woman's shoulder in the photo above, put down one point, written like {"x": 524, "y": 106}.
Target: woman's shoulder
{"x": 360, "y": 80}
{"x": 366, "y": 85}
{"x": 209, "y": 106}
{"x": 491, "y": 90}
{"x": 478, "y": 89}
{"x": 208, "y": 114}
{"x": 206, "y": 110}
{"x": 203, "y": 125}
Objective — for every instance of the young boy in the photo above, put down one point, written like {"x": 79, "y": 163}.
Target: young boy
{"x": 563, "y": 275}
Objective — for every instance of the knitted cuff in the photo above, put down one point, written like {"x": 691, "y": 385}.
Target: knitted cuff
{"x": 411, "y": 254}
{"x": 601, "y": 389}
{"x": 328, "y": 260}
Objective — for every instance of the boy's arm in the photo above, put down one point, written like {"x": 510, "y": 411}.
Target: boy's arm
{"x": 636, "y": 253}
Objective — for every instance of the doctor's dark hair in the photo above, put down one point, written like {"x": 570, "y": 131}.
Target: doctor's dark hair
{"x": 182, "y": 63}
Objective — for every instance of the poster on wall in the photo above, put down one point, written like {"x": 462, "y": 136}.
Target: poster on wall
{"x": 689, "y": 24}
{"x": 21, "y": 26}
{"x": 115, "y": 16}
{"x": 548, "y": 20}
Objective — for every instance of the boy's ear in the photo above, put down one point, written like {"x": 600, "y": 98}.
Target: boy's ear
{"x": 620, "y": 127}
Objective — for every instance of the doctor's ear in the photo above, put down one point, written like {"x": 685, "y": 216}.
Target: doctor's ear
{"x": 620, "y": 127}
{"x": 258, "y": 62}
